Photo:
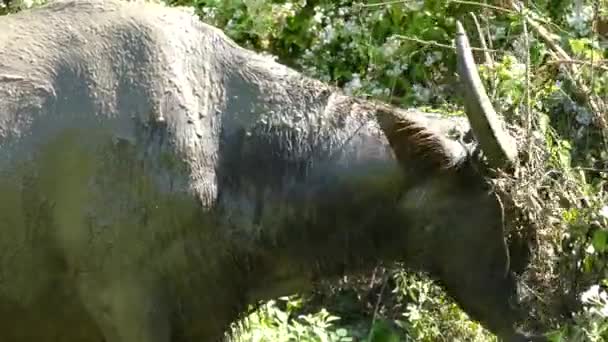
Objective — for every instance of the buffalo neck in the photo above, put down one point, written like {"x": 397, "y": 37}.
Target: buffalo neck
{"x": 309, "y": 180}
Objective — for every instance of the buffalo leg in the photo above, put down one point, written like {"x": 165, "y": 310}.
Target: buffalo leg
{"x": 127, "y": 310}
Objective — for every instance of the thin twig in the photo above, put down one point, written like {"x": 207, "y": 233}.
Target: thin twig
{"x": 561, "y": 53}
{"x": 593, "y": 169}
{"x": 384, "y": 3}
{"x": 437, "y": 44}
{"x": 515, "y": 10}
{"x": 482, "y": 40}
{"x": 377, "y": 305}
{"x": 474, "y": 3}
{"x": 601, "y": 64}
{"x": 527, "y": 89}
{"x": 601, "y": 118}
{"x": 491, "y": 46}
{"x": 462, "y": 2}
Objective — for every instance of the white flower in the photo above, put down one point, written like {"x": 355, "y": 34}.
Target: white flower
{"x": 583, "y": 116}
{"x": 500, "y": 32}
{"x": 379, "y": 91}
{"x": 518, "y": 69}
{"x": 390, "y": 47}
{"x": 590, "y": 294}
{"x": 351, "y": 27}
{"x": 318, "y": 17}
{"x": 395, "y": 71}
{"x": 209, "y": 12}
{"x": 581, "y": 132}
{"x": 416, "y": 5}
{"x": 328, "y": 34}
{"x": 433, "y": 57}
{"x": 353, "y": 85}
{"x": 597, "y": 299}
{"x": 604, "y": 211}
{"x": 580, "y": 18}
{"x": 423, "y": 94}
{"x": 590, "y": 249}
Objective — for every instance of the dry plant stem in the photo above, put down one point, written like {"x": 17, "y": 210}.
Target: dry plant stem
{"x": 378, "y": 301}
{"x": 527, "y": 92}
{"x": 494, "y": 89}
{"x": 373, "y": 280}
{"x": 475, "y": 3}
{"x": 482, "y": 40}
{"x": 561, "y": 53}
{"x": 488, "y": 32}
{"x": 384, "y": 3}
{"x": 557, "y": 52}
{"x": 601, "y": 118}
{"x": 600, "y": 65}
{"x": 488, "y": 58}
{"x": 434, "y": 43}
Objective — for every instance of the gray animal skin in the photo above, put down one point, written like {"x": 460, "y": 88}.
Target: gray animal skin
{"x": 156, "y": 178}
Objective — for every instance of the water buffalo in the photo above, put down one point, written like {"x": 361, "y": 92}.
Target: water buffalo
{"x": 156, "y": 178}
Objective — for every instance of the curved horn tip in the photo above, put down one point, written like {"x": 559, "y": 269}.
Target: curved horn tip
{"x": 497, "y": 144}
{"x": 462, "y": 40}
{"x": 459, "y": 28}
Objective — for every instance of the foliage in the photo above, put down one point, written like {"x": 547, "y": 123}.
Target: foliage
{"x": 430, "y": 315}
{"x": 272, "y": 323}
{"x": 400, "y": 51}
{"x": 591, "y": 324}
{"x": 289, "y": 318}
{"x": 13, "y": 6}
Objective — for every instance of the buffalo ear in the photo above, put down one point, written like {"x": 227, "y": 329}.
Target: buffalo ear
{"x": 416, "y": 144}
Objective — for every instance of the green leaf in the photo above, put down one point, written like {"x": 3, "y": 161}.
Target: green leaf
{"x": 341, "y": 332}
{"x": 382, "y": 332}
{"x": 544, "y": 123}
{"x": 578, "y": 46}
{"x": 588, "y": 264}
{"x": 600, "y": 240}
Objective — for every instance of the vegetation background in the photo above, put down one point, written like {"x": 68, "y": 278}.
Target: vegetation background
{"x": 545, "y": 63}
